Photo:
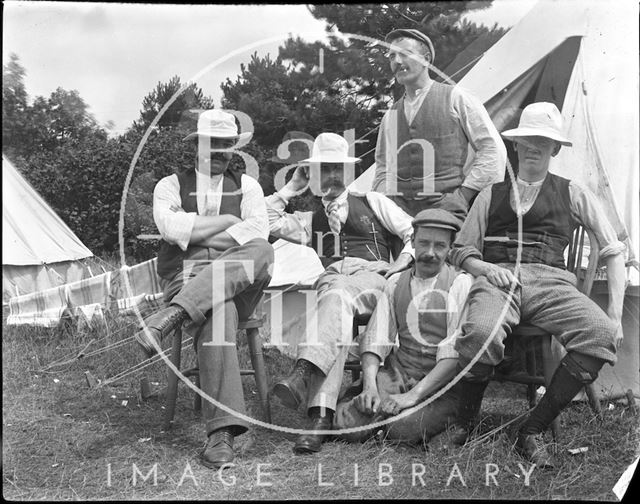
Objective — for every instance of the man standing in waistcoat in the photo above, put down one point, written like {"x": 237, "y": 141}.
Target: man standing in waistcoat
{"x": 351, "y": 235}
{"x": 424, "y": 138}
{"x": 423, "y": 308}
{"x": 542, "y": 292}
{"x": 214, "y": 262}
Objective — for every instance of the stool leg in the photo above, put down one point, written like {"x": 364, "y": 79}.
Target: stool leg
{"x": 549, "y": 366}
{"x": 530, "y": 363}
{"x": 197, "y": 400}
{"x": 257, "y": 361}
{"x": 172, "y": 380}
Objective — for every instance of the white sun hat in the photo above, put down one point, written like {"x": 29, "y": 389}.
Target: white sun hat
{"x": 330, "y": 148}
{"x": 539, "y": 119}
{"x": 217, "y": 124}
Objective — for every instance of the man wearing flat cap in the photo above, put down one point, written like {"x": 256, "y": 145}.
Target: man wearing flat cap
{"x": 213, "y": 222}
{"x": 422, "y": 309}
{"x": 351, "y": 233}
{"x": 513, "y": 242}
{"x": 427, "y": 136}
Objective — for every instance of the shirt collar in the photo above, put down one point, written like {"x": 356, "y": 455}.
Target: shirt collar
{"x": 340, "y": 200}
{"x": 419, "y": 93}
{"x": 204, "y": 179}
{"x": 529, "y": 184}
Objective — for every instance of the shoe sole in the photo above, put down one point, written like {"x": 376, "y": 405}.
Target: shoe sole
{"x": 144, "y": 344}
{"x": 305, "y": 450}
{"x": 214, "y": 465}
{"x": 287, "y": 398}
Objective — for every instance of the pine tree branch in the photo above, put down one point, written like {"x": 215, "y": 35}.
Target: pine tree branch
{"x": 401, "y": 14}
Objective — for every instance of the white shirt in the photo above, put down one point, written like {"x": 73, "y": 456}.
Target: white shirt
{"x": 296, "y": 227}
{"x": 382, "y": 330}
{"x": 175, "y": 225}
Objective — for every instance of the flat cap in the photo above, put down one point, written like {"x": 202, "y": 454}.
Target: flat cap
{"x": 414, "y": 34}
{"x": 437, "y": 218}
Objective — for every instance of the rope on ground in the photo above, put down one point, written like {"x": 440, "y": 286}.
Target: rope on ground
{"x": 68, "y": 359}
{"x": 497, "y": 429}
{"x": 142, "y": 365}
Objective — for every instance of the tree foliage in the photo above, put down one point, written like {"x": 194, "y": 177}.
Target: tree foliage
{"x": 190, "y": 98}
{"x": 345, "y": 83}
{"x": 341, "y": 85}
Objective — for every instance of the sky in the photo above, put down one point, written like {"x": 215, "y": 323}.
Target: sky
{"x": 115, "y": 54}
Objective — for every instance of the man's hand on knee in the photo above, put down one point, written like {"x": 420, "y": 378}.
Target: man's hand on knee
{"x": 500, "y": 277}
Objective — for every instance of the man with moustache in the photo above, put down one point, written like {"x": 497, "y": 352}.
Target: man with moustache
{"x": 422, "y": 309}
{"x": 541, "y": 291}
{"x": 214, "y": 262}
{"x": 351, "y": 235}
{"x": 438, "y": 121}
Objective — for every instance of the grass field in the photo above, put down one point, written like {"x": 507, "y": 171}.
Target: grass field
{"x": 65, "y": 440}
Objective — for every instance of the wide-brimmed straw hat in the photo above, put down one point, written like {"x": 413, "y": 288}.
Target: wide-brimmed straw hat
{"x": 330, "y": 148}
{"x": 539, "y": 119}
{"x": 296, "y": 144}
{"x": 217, "y": 124}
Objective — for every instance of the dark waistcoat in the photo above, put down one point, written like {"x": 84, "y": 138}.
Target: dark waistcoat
{"x": 547, "y": 226}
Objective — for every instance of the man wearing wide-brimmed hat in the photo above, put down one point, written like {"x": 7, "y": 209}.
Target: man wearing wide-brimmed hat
{"x": 448, "y": 120}
{"x": 352, "y": 235}
{"x": 422, "y": 310}
{"x": 541, "y": 292}
{"x": 206, "y": 215}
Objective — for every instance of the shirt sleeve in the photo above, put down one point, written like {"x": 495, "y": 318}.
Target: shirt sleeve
{"x": 470, "y": 239}
{"x": 379, "y": 178}
{"x": 253, "y": 212}
{"x": 295, "y": 227}
{"x": 587, "y": 210}
{"x": 380, "y": 335}
{"x": 392, "y": 217}
{"x": 490, "y": 156}
{"x": 456, "y": 313}
{"x": 173, "y": 223}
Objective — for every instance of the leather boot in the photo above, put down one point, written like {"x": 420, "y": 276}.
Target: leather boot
{"x": 311, "y": 442}
{"x": 219, "y": 449}
{"x": 158, "y": 325}
{"x": 292, "y": 391}
{"x": 533, "y": 448}
{"x": 469, "y": 403}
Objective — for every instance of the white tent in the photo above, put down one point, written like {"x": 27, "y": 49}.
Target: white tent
{"x": 581, "y": 56}
{"x": 39, "y": 250}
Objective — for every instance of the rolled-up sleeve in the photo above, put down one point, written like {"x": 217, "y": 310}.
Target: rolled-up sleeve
{"x": 173, "y": 223}
{"x": 587, "y": 210}
{"x": 490, "y": 156}
{"x": 470, "y": 239}
{"x": 253, "y": 212}
{"x": 295, "y": 227}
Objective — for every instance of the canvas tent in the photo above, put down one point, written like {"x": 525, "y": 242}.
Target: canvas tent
{"x": 39, "y": 251}
{"x": 581, "y": 56}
